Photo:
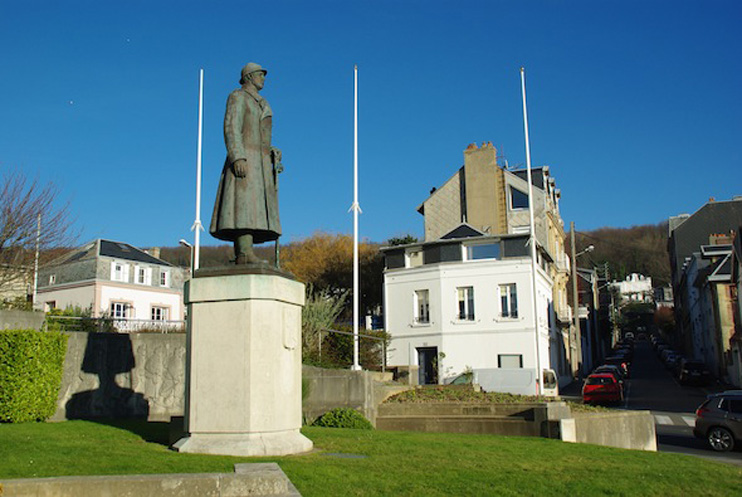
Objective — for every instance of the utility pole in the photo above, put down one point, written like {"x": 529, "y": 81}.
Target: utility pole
{"x": 576, "y": 347}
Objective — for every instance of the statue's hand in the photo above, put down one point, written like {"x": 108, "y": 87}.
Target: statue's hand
{"x": 240, "y": 168}
{"x": 277, "y": 155}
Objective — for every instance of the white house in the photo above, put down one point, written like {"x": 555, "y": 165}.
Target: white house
{"x": 465, "y": 302}
{"x": 116, "y": 280}
{"x": 635, "y": 288}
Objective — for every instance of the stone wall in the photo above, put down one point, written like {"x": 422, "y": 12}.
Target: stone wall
{"x": 143, "y": 375}
{"x": 21, "y": 320}
{"x": 123, "y": 375}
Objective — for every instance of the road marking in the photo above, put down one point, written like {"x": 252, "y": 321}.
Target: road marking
{"x": 689, "y": 420}
{"x": 662, "y": 420}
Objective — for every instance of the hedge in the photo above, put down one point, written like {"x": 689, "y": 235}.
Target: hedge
{"x": 31, "y": 364}
{"x": 343, "y": 417}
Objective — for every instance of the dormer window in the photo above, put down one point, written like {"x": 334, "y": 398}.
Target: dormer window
{"x": 119, "y": 271}
{"x": 482, "y": 251}
{"x": 518, "y": 199}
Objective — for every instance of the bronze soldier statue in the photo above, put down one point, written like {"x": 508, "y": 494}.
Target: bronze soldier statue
{"x": 246, "y": 207}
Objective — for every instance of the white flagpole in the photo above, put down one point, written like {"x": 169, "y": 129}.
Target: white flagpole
{"x": 355, "y": 208}
{"x": 36, "y": 263}
{"x": 197, "y": 226}
{"x": 532, "y": 238}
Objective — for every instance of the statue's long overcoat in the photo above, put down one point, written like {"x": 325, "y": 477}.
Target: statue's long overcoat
{"x": 247, "y": 205}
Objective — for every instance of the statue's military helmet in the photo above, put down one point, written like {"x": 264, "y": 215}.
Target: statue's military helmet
{"x": 249, "y": 69}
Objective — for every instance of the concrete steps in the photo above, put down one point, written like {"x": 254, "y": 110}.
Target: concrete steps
{"x": 494, "y": 425}
{"x": 499, "y": 419}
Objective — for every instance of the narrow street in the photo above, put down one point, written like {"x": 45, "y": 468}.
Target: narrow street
{"x": 652, "y": 387}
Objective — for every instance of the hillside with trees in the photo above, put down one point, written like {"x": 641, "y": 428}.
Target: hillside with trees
{"x": 638, "y": 249}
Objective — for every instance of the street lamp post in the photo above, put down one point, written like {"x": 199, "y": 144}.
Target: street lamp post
{"x": 575, "y": 348}
{"x": 190, "y": 246}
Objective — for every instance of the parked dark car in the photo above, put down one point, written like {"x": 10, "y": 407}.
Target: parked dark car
{"x": 601, "y": 388}
{"x": 620, "y": 362}
{"x": 719, "y": 420}
{"x": 694, "y": 373}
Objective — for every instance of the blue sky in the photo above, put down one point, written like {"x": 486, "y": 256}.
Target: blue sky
{"x": 635, "y": 105}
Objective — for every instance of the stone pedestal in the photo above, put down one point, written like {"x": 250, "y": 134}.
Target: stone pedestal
{"x": 243, "y": 385}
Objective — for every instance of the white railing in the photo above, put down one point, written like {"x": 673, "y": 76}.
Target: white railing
{"x": 112, "y": 325}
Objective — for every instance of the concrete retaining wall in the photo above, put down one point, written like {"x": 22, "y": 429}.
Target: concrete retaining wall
{"x": 359, "y": 390}
{"x": 123, "y": 375}
{"x": 22, "y": 320}
{"x": 143, "y": 375}
{"x": 522, "y": 419}
{"x": 624, "y": 429}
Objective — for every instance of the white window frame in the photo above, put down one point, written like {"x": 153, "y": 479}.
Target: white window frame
{"x": 465, "y": 303}
{"x": 510, "y": 198}
{"x": 421, "y": 304}
{"x": 508, "y": 358}
{"x": 468, "y": 248}
{"x": 119, "y": 310}
{"x": 508, "y": 298}
{"x": 121, "y": 274}
{"x": 142, "y": 275}
{"x": 164, "y": 278}
{"x": 159, "y": 313}
{"x": 52, "y": 279}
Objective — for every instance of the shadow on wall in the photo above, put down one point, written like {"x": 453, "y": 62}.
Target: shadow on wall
{"x": 106, "y": 355}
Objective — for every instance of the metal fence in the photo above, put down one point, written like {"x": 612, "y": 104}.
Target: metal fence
{"x": 112, "y": 325}
{"x": 360, "y": 336}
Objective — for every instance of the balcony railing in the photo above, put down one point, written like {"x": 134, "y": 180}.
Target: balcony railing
{"x": 112, "y": 325}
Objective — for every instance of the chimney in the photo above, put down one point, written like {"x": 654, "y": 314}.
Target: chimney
{"x": 154, "y": 252}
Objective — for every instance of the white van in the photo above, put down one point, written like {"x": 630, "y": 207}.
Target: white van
{"x": 519, "y": 381}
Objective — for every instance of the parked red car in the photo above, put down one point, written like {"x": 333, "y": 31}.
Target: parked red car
{"x": 602, "y": 388}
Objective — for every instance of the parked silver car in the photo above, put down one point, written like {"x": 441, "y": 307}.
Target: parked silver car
{"x": 719, "y": 420}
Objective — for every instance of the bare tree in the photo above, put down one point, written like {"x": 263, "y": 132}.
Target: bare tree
{"x": 21, "y": 203}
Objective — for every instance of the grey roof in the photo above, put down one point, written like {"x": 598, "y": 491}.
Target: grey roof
{"x": 108, "y": 248}
{"x": 120, "y": 250}
{"x": 714, "y": 217}
{"x": 463, "y": 230}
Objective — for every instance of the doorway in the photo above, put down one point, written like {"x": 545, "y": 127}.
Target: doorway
{"x": 427, "y": 360}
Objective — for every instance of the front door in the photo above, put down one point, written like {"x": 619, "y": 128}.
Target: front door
{"x": 427, "y": 360}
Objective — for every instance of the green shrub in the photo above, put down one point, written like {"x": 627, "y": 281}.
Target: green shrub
{"x": 31, "y": 364}
{"x": 343, "y": 417}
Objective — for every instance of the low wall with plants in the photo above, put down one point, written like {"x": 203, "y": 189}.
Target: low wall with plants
{"x": 31, "y": 365}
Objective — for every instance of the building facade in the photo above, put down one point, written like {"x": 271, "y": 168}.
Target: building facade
{"x": 704, "y": 289}
{"x": 115, "y": 280}
{"x": 474, "y": 276}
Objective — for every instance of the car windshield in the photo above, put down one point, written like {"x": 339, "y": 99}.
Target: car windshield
{"x": 598, "y": 380}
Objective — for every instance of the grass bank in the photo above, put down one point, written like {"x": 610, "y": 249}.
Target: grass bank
{"x": 431, "y": 394}
{"x": 391, "y": 463}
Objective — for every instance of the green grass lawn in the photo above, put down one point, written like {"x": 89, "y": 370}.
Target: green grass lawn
{"x": 396, "y": 463}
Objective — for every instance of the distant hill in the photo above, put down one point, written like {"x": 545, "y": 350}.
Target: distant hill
{"x": 639, "y": 249}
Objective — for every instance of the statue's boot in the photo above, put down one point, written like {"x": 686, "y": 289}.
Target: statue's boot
{"x": 244, "y": 253}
